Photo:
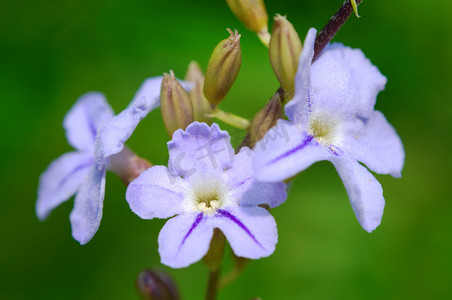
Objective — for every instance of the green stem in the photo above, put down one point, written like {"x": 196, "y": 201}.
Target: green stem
{"x": 240, "y": 264}
{"x": 355, "y": 8}
{"x": 213, "y": 261}
{"x": 212, "y": 286}
{"x": 229, "y": 118}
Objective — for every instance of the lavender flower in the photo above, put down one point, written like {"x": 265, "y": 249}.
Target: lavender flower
{"x": 332, "y": 118}
{"x": 206, "y": 186}
{"x": 91, "y": 128}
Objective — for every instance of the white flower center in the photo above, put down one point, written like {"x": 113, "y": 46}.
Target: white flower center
{"x": 325, "y": 129}
{"x": 207, "y": 194}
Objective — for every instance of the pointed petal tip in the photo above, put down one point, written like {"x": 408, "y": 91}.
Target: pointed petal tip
{"x": 86, "y": 215}
{"x": 396, "y": 174}
{"x": 41, "y": 215}
{"x": 370, "y": 227}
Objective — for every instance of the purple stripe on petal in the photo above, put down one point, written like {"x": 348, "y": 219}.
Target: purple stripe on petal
{"x": 91, "y": 125}
{"x": 242, "y": 182}
{"x": 292, "y": 151}
{"x": 309, "y": 101}
{"x": 198, "y": 220}
{"x": 77, "y": 169}
{"x": 335, "y": 150}
{"x": 226, "y": 214}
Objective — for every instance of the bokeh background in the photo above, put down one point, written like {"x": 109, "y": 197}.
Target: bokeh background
{"x": 51, "y": 52}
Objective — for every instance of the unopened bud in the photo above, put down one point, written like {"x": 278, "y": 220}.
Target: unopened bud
{"x": 156, "y": 285}
{"x": 285, "y": 50}
{"x": 201, "y": 106}
{"x": 251, "y": 13}
{"x": 224, "y": 65}
{"x": 265, "y": 119}
{"x": 177, "y": 111}
{"x": 127, "y": 165}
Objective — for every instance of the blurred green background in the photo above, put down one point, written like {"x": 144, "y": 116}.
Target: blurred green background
{"x": 51, "y": 52}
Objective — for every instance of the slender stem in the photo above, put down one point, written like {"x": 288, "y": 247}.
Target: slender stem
{"x": 355, "y": 8}
{"x": 230, "y": 118}
{"x": 239, "y": 266}
{"x": 212, "y": 285}
{"x": 333, "y": 26}
{"x": 212, "y": 260}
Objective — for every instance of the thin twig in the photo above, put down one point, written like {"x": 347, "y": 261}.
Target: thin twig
{"x": 332, "y": 27}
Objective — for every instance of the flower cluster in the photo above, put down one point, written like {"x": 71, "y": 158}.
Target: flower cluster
{"x": 208, "y": 186}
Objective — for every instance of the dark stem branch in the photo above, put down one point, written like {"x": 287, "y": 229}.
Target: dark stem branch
{"x": 212, "y": 286}
{"x": 332, "y": 27}
{"x": 213, "y": 261}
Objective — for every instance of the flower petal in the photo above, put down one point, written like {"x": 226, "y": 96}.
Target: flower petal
{"x": 251, "y": 231}
{"x": 185, "y": 239}
{"x": 156, "y": 194}
{"x": 378, "y": 146}
{"x": 285, "y": 150}
{"x": 364, "y": 191}
{"x": 345, "y": 82}
{"x": 200, "y": 148}
{"x": 62, "y": 178}
{"x": 84, "y": 118}
{"x": 244, "y": 186}
{"x": 88, "y": 204}
{"x": 150, "y": 92}
{"x": 116, "y": 132}
{"x": 299, "y": 107}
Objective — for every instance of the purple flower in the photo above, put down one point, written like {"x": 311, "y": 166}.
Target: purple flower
{"x": 91, "y": 128}
{"x": 206, "y": 186}
{"x": 332, "y": 117}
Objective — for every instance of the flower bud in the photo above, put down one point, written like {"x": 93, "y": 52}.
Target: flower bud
{"x": 251, "y": 13}
{"x": 156, "y": 285}
{"x": 224, "y": 65}
{"x": 265, "y": 119}
{"x": 201, "y": 106}
{"x": 285, "y": 50}
{"x": 177, "y": 111}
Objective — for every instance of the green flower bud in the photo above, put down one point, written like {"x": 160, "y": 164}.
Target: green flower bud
{"x": 224, "y": 65}
{"x": 285, "y": 50}
{"x": 177, "y": 111}
{"x": 265, "y": 119}
{"x": 156, "y": 285}
{"x": 201, "y": 106}
{"x": 252, "y": 14}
